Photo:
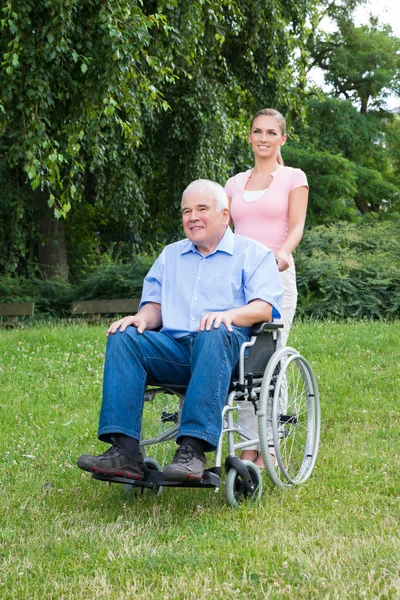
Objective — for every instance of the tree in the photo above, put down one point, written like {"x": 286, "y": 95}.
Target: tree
{"x": 350, "y": 157}
{"x": 362, "y": 66}
{"x": 241, "y": 62}
{"x": 360, "y": 63}
{"x": 74, "y": 76}
{"x": 117, "y": 105}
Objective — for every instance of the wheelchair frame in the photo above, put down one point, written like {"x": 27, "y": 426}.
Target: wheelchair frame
{"x": 283, "y": 389}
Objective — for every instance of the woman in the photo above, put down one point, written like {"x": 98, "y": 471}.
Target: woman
{"x": 269, "y": 203}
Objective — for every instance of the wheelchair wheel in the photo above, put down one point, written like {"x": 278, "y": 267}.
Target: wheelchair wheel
{"x": 152, "y": 465}
{"x": 235, "y": 491}
{"x": 289, "y": 418}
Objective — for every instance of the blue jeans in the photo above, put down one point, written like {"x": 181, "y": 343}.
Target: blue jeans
{"x": 203, "y": 361}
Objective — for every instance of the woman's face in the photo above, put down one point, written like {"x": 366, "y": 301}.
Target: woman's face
{"x": 266, "y": 137}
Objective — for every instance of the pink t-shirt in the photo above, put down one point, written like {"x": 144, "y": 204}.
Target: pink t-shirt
{"x": 264, "y": 219}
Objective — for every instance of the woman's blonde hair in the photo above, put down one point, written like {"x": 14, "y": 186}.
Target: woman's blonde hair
{"x": 279, "y": 118}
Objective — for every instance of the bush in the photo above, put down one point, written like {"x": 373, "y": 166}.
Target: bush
{"x": 53, "y": 298}
{"x": 350, "y": 270}
{"x": 115, "y": 280}
{"x": 343, "y": 270}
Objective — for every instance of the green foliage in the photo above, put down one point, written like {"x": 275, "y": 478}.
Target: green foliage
{"x": 361, "y": 63}
{"x": 375, "y": 192}
{"x": 113, "y": 281}
{"x": 392, "y": 140}
{"x": 351, "y": 160}
{"x": 343, "y": 270}
{"x": 335, "y": 125}
{"x": 350, "y": 270}
{"x": 332, "y": 183}
{"x": 53, "y": 297}
{"x": 18, "y": 230}
{"x": 118, "y": 105}
{"x": 226, "y": 70}
{"x": 109, "y": 109}
{"x": 74, "y": 76}
{"x": 82, "y": 232}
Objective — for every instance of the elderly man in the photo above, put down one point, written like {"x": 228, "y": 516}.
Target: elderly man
{"x": 204, "y": 292}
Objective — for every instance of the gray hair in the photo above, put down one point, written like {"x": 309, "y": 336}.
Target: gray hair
{"x": 211, "y": 188}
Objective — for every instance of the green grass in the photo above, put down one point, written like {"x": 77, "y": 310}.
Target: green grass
{"x": 64, "y": 535}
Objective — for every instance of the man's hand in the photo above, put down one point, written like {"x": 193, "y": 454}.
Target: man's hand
{"x": 148, "y": 317}
{"x": 255, "y": 311}
{"x": 122, "y": 324}
{"x": 215, "y": 319}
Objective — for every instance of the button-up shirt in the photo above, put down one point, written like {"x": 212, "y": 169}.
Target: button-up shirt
{"x": 189, "y": 285}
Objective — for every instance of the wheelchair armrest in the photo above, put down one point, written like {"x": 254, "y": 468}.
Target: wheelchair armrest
{"x": 258, "y": 328}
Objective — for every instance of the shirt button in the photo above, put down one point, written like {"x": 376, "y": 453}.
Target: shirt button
{"x": 193, "y": 318}
{"x": 199, "y": 278}
{"x": 195, "y": 298}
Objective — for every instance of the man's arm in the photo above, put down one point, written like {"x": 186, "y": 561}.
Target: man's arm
{"x": 148, "y": 317}
{"x": 255, "y": 311}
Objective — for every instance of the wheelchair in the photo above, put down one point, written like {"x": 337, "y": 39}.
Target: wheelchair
{"x": 282, "y": 388}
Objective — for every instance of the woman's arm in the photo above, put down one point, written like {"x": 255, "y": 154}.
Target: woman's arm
{"x": 298, "y": 200}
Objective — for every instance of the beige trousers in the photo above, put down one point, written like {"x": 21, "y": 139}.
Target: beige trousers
{"x": 247, "y": 418}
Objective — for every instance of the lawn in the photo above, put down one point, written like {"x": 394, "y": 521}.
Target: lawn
{"x": 64, "y": 535}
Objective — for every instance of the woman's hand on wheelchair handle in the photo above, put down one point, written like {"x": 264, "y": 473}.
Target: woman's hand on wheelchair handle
{"x": 282, "y": 260}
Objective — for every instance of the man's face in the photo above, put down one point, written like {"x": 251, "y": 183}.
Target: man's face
{"x": 202, "y": 223}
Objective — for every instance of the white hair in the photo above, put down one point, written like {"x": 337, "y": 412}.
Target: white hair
{"x": 211, "y": 188}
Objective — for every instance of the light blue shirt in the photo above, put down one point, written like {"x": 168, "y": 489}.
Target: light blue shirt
{"x": 189, "y": 285}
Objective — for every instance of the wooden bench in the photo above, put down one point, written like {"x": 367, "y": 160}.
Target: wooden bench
{"x": 13, "y": 310}
{"x": 96, "y": 308}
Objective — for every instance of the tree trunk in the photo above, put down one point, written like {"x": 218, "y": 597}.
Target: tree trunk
{"x": 365, "y": 208}
{"x": 364, "y": 105}
{"x": 52, "y": 251}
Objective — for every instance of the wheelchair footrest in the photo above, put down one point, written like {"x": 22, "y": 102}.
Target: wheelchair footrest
{"x": 153, "y": 479}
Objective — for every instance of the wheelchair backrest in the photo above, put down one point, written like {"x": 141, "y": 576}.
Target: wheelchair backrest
{"x": 260, "y": 354}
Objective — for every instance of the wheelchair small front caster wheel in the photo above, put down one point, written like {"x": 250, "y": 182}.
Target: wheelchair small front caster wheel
{"x": 235, "y": 490}
{"x": 152, "y": 465}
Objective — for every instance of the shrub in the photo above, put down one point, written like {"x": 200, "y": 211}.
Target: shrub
{"x": 350, "y": 270}
{"x": 343, "y": 270}
{"x": 115, "y": 280}
{"x": 53, "y": 298}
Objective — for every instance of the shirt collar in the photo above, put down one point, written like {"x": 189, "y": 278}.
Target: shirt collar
{"x": 250, "y": 171}
{"x": 225, "y": 244}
